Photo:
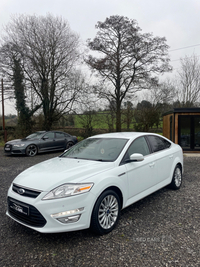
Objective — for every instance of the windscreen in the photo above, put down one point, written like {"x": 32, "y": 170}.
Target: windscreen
{"x": 101, "y": 149}
{"x": 36, "y": 135}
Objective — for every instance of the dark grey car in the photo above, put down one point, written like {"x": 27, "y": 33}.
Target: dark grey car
{"x": 39, "y": 142}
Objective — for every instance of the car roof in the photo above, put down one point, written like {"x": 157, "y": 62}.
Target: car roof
{"x": 40, "y": 132}
{"x": 126, "y": 135}
{"x": 55, "y": 131}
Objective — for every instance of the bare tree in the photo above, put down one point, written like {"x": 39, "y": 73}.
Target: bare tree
{"x": 48, "y": 51}
{"x": 188, "y": 81}
{"x": 128, "y": 60}
{"x": 87, "y": 107}
{"x": 146, "y": 115}
{"x": 164, "y": 93}
{"x": 128, "y": 114}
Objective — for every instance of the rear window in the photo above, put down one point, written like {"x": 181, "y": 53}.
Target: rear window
{"x": 158, "y": 143}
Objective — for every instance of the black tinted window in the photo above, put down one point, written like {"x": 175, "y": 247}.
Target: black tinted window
{"x": 60, "y": 136}
{"x": 158, "y": 143}
{"x": 49, "y": 135}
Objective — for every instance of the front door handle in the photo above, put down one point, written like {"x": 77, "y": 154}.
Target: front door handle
{"x": 151, "y": 165}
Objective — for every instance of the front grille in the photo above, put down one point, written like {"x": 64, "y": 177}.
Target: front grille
{"x": 17, "y": 152}
{"x": 34, "y": 217}
{"x": 25, "y": 192}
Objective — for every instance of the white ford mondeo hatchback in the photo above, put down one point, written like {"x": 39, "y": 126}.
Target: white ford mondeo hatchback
{"x": 90, "y": 183}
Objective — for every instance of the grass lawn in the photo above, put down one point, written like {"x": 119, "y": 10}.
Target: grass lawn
{"x": 100, "y": 121}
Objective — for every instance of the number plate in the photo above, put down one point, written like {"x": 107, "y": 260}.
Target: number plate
{"x": 19, "y": 207}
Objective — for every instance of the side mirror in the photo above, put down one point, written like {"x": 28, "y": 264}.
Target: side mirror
{"x": 136, "y": 157}
{"x": 45, "y": 137}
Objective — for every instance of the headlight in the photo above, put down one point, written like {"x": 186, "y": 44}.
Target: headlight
{"x": 67, "y": 190}
{"x": 19, "y": 145}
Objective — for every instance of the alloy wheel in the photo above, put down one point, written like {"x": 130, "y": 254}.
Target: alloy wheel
{"x": 108, "y": 212}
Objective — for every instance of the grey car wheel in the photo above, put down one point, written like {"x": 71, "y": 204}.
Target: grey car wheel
{"x": 69, "y": 144}
{"x": 31, "y": 150}
{"x": 177, "y": 178}
{"x": 106, "y": 212}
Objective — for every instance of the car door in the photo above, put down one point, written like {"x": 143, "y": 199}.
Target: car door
{"x": 141, "y": 174}
{"x": 163, "y": 157}
{"x": 60, "y": 140}
{"x": 47, "y": 142}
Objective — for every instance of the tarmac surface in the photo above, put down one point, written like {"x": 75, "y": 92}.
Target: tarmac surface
{"x": 163, "y": 229}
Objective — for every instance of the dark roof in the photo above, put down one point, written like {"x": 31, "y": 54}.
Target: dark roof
{"x": 182, "y": 110}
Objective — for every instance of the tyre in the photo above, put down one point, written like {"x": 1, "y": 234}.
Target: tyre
{"x": 177, "y": 178}
{"x": 69, "y": 144}
{"x": 31, "y": 150}
{"x": 105, "y": 213}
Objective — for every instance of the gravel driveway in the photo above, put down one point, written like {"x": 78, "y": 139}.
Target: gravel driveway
{"x": 161, "y": 230}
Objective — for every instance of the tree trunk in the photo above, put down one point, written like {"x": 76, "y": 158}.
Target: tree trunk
{"x": 118, "y": 117}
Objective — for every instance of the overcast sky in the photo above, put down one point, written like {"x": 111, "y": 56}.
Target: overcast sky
{"x": 177, "y": 20}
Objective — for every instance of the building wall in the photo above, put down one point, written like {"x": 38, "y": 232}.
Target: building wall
{"x": 173, "y": 135}
{"x": 166, "y": 126}
{"x": 176, "y": 122}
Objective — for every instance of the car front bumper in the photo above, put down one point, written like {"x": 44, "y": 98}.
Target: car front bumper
{"x": 11, "y": 150}
{"x": 74, "y": 211}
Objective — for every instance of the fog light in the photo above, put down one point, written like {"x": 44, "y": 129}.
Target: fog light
{"x": 70, "y": 219}
{"x": 67, "y": 216}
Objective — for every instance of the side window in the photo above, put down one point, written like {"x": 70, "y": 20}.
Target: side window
{"x": 158, "y": 143}
{"x": 138, "y": 146}
{"x": 60, "y": 136}
{"x": 167, "y": 144}
{"x": 49, "y": 135}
